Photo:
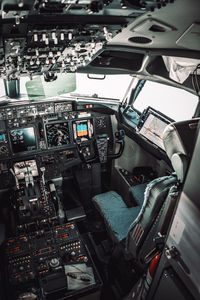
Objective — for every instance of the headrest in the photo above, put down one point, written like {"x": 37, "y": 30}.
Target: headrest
{"x": 179, "y": 141}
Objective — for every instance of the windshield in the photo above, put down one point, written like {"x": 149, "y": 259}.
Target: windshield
{"x": 110, "y": 87}
{"x": 113, "y": 86}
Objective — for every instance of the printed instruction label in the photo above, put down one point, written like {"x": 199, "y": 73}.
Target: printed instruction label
{"x": 177, "y": 229}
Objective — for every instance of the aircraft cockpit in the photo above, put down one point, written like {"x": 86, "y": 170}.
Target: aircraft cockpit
{"x": 99, "y": 143}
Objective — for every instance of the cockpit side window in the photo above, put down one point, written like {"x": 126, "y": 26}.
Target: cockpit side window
{"x": 175, "y": 103}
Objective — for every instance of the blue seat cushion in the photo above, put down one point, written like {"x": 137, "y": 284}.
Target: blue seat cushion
{"x": 117, "y": 216}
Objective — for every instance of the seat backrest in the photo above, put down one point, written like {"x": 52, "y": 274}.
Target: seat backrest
{"x": 155, "y": 238}
{"x": 179, "y": 140}
{"x": 155, "y": 194}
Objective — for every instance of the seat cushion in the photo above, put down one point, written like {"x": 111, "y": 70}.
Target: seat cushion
{"x": 117, "y": 216}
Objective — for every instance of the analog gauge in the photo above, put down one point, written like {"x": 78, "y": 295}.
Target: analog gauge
{"x": 57, "y": 134}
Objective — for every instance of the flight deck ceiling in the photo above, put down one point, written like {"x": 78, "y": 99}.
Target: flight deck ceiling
{"x": 99, "y": 36}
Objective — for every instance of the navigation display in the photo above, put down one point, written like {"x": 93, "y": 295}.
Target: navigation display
{"x": 58, "y": 134}
{"x": 153, "y": 126}
{"x": 23, "y": 139}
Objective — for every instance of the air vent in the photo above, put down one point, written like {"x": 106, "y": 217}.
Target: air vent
{"x": 152, "y": 25}
{"x": 140, "y": 40}
{"x": 157, "y": 28}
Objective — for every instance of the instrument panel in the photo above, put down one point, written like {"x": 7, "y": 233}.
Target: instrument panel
{"x": 17, "y": 113}
{"x": 48, "y": 126}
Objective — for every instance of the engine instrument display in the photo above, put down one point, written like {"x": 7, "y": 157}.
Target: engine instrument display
{"x": 23, "y": 139}
{"x": 57, "y": 134}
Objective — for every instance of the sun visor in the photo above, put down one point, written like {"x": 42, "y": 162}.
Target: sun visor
{"x": 180, "y": 67}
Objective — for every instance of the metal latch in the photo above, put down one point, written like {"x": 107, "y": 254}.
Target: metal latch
{"x": 173, "y": 253}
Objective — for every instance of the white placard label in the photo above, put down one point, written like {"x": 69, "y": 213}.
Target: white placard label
{"x": 177, "y": 229}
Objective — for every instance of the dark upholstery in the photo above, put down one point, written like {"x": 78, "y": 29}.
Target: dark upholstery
{"x": 160, "y": 224}
{"x": 179, "y": 141}
{"x": 2, "y": 233}
{"x": 155, "y": 194}
{"x": 136, "y": 223}
{"x": 137, "y": 193}
{"x": 118, "y": 217}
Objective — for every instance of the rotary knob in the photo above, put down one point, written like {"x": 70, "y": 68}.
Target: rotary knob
{"x": 73, "y": 253}
{"x": 85, "y": 259}
{"x": 54, "y": 262}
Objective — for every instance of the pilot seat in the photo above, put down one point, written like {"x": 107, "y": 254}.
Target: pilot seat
{"x": 132, "y": 226}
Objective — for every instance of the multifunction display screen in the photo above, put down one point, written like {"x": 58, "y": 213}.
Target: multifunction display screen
{"x": 153, "y": 126}
{"x": 2, "y": 137}
{"x": 83, "y": 130}
{"x": 23, "y": 139}
{"x": 58, "y": 134}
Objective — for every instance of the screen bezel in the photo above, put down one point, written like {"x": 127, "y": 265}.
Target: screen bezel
{"x": 83, "y": 138}
{"x": 25, "y": 151}
{"x": 55, "y": 123}
{"x": 158, "y": 115}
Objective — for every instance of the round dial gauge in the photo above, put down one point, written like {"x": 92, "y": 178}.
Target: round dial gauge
{"x": 58, "y": 134}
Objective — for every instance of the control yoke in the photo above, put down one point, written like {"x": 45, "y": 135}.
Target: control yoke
{"x": 119, "y": 135}
{"x": 102, "y": 148}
